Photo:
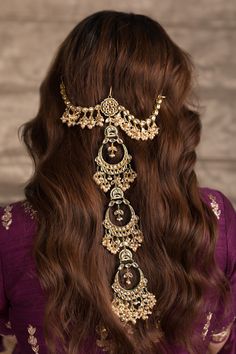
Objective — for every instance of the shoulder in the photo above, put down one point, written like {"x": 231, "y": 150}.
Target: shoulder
{"x": 219, "y": 203}
{"x": 226, "y": 219}
{"x": 223, "y": 210}
{"x": 16, "y": 219}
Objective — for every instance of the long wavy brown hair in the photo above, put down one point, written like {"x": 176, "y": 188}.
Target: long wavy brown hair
{"x": 133, "y": 54}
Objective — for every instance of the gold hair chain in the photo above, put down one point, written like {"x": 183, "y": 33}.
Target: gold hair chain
{"x": 89, "y": 117}
{"x": 131, "y": 299}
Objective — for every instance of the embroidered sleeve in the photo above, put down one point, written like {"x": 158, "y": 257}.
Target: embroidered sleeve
{"x": 224, "y": 325}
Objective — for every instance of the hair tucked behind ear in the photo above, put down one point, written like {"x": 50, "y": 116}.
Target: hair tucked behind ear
{"x": 134, "y": 55}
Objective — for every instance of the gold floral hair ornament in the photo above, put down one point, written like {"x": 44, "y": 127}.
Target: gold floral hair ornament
{"x": 122, "y": 235}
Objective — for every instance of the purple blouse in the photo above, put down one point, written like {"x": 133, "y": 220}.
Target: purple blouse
{"x": 22, "y": 300}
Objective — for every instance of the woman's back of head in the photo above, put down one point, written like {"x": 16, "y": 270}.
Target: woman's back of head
{"x": 133, "y": 55}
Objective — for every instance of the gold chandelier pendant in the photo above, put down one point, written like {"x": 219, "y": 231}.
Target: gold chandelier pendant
{"x": 119, "y": 236}
{"x": 120, "y": 174}
{"x": 131, "y": 298}
{"x": 131, "y": 301}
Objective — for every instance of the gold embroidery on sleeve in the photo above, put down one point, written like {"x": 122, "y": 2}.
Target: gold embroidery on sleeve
{"x": 222, "y": 334}
{"x": 29, "y": 209}
{"x": 32, "y": 340}
{"x": 7, "y": 217}
{"x": 207, "y": 325}
{"x": 8, "y": 324}
{"x": 215, "y": 206}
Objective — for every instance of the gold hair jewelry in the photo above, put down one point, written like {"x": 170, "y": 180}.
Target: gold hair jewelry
{"x": 117, "y": 115}
{"x": 120, "y": 174}
{"x": 131, "y": 300}
{"x": 119, "y": 237}
{"x": 137, "y": 302}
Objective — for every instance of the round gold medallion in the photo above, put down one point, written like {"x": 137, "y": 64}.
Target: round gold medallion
{"x": 109, "y": 106}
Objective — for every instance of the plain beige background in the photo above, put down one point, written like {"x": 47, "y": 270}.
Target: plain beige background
{"x": 31, "y": 30}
